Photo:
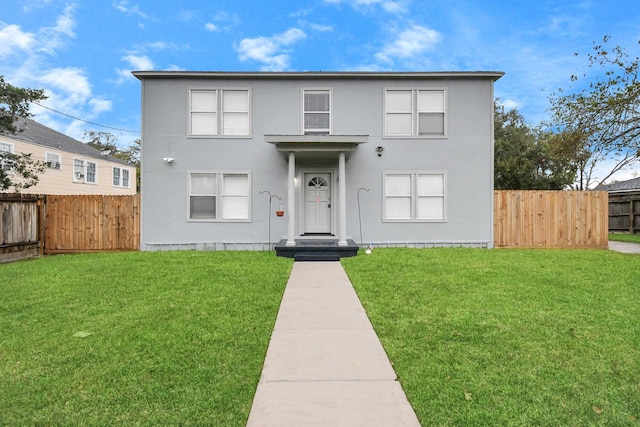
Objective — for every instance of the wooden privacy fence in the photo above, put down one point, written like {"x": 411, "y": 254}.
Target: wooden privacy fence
{"x": 551, "y": 219}
{"x": 20, "y": 231}
{"x": 30, "y": 225}
{"x": 624, "y": 215}
{"x": 91, "y": 223}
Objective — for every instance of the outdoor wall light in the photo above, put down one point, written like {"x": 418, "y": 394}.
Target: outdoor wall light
{"x": 379, "y": 150}
{"x": 168, "y": 160}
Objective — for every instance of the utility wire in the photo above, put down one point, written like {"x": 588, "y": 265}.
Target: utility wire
{"x": 87, "y": 121}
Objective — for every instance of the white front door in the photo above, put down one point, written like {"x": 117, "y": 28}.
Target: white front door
{"x": 317, "y": 202}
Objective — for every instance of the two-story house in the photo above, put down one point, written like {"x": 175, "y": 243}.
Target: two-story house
{"x": 393, "y": 159}
{"x": 71, "y": 166}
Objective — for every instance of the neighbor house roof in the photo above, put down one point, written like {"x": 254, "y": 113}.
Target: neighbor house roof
{"x": 622, "y": 186}
{"x": 36, "y": 133}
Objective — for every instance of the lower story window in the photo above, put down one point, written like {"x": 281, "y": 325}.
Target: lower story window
{"x": 120, "y": 177}
{"x": 414, "y": 196}
{"x": 84, "y": 171}
{"x": 222, "y": 196}
{"x": 6, "y": 163}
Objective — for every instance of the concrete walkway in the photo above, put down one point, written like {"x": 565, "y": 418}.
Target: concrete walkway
{"x": 625, "y": 247}
{"x": 325, "y": 365}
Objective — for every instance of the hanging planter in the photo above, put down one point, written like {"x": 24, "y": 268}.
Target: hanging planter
{"x": 279, "y": 213}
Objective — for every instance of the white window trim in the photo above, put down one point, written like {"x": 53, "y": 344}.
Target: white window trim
{"x": 316, "y": 89}
{"x": 219, "y": 113}
{"x": 11, "y": 150}
{"x": 83, "y": 179}
{"x": 414, "y": 113}
{"x": 218, "y": 194}
{"x": 121, "y": 177}
{"x": 128, "y": 177}
{"x": 414, "y": 196}
{"x": 59, "y": 161}
{"x": 113, "y": 175}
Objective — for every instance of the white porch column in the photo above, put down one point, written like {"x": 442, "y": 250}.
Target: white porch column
{"x": 342, "y": 192}
{"x": 291, "y": 201}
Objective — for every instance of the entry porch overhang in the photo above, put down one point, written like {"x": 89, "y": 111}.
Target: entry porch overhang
{"x": 316, "y": 146}
{"x": 312, "y": 147}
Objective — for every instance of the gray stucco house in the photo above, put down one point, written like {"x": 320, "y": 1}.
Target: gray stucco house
{"x": 406, "y": 159}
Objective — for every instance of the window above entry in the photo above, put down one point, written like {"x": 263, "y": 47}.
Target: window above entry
{"x": 415, "y": 113}
{"x": 219, "y": 112}
{"x": 316, "y": 114}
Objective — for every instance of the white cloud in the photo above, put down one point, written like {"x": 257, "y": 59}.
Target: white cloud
{"x": 222, "y": 21}
{"x": 209, "y": 26}
{"x": 72, "y": 81}
{"x": 139, "y": 62}
{"x": 12, "y": 39}
{"x": 53, "y": 38}
{"x": 390, "y": 6}
{"x": 509, "y": 104}
{"x": 394, "y": 6}
{"x": 409, "y": 43}
{"x": 123, "y": 6}
{"x": 319, "y": 28}
{"x": 25, "y": 61}
{"x": 271, "y": 51}
{"x": 135, "y": 62}
{"x": 68, "y": 90}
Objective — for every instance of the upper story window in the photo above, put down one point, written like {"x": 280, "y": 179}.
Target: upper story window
{"x": 414, "y": 113}
{"x": 317, "y": 112}
{"x": 414, "y": 196}
{"x": 4, "y": 163}
{"x": 219, "y": 112}
{"x": 85, "y": 171}
{"x": 53, "y": 160}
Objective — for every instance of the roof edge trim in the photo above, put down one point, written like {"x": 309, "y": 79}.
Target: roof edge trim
{"x": 494, "y": 75}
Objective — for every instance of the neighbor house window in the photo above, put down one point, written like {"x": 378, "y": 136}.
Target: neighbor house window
{"x": 220, "y": 196}
{"x": 414, "y": 196}
{"x": 317, "y": 112}
{"x": 120, "y": 177}
{"x": 414, "y": 113}
{"x": 53, "y": 160}
{"x": 219, "y": 112}
{"x": 84, "y": 171}
{"x": 4, "y": 163}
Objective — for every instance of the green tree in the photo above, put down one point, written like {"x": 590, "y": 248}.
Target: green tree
{"x": 527, "y": 158}
{"x": 17, "y": 170}
{"x": 102, "y": 141}
{"x": 600, "y": 122}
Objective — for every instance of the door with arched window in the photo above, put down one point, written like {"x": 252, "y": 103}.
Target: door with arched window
{"x": 317, "y": 203}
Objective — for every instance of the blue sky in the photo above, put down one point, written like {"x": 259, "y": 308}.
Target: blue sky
{"x": 82, "y": 52}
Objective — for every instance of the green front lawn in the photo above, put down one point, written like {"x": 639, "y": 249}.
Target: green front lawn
{"x": 618, "y": 237}
{"x": 175, "y": 338}
{"x": 508, "y": 337}
{"x": 477, "y": 337}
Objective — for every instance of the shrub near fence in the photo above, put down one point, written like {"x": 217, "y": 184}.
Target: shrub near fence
{"x": 92, "y": 223}
{"x": 551, "y": 219}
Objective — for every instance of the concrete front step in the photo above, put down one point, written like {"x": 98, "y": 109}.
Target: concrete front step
{"x": 319, "y": 256}
{"x": 316, "y": 249}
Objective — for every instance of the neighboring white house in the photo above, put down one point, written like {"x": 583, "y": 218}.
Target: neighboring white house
{"x": 72, "y": 167}
{"x": 393, "y": 159}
